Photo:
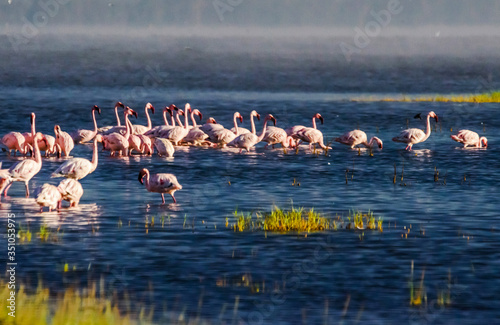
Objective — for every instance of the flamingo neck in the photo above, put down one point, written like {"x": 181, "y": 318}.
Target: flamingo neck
{"x": 428, "y": 130}
{"x": 172, "y": 119}
{"x": 253, "y": 125}
{"x": 95, "y": 122}
{"x": 263, "y": 133}
{"x": 480, "y": 144}
{"x": 127, "y": 127}
{"x": 33, "y": 127}
{"x": 236, "y": 125}
{"x": 165, "y": 117}
{"x": 38, "y": 156}
{"x": 186, "y": 120}
{"x": 94, "y": 155}
{"x": 147, "y": 179}
{"x": 193, "y": 120}
{"x": 369, "y": 144}
{"x": 148, "y": 118}
{"x": 178, "y": 120}
{"x": 118, "y": 123}
{"x": 314, "y": 122}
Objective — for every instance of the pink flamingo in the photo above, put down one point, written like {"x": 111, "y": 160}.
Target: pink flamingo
{"x": 64, "y": 142}
{"x": 83, "y": 136}
{"x": 248, "y": 140}
{"x": 22, "y": 171}
{"x": 164, "y": 147}
{"x": 292, "y": 131}
{"x": 311, "y": 135}
{"x": 14, "y": 141}
{"x": 141, "y": 129}
{"x": 48, "y": 196}
{"x": 178, "y": 133}
{"x": 46, "y": 144}
{"x": 195, "y": 135}
{"x": 114, "y": 128}
{"x": 117, "y": 142}
{"x": 357, "y": 137}
{"x": 78, "y": 168}
{"x": 160, "y": 183}
{"x": 470, "y": 138}
{"x": 211, "y": 126}
{"x": 275, "y": 135}
{"x": 71, "y": 190}
{"x": 225, "y": 136}
{"x": 413, "y": 136}
{"x": 162, "y": 129}
{"x": 243, "y": 130}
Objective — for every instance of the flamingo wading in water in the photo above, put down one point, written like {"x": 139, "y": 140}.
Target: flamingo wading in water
{"x": 413, "y": 136}
{"x": 64, "y": 142}
{"x": 71, "y": 190}
{"x": 248, "y": 140}
{"x": 160, "y": 183}
{"x": 83, "y": 136}
{"x": 470, "y": 139}
{"x": 141, "y": 129}
{"x": 48, "y": 196}
{"x": 358, "y": 137}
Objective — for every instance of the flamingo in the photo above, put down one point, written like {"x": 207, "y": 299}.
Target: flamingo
{"x": 48, "y": 196}
{"x": 141, "y": 129}
{"x": 14, "y": 141}
{"x": 177, "y": 133}
{"x": 49, "y": 145}
{"x": 164, "y": 147}
{"x": 248, "y": 140}
{"x": 78, "y": 168}
{"x": 117, "y": 142}
{"x": 71, "y": 190}
{"x": 146, "y": 144}
{"x": 470, "y": 138}
{"x": 64, "y": 142}
{"x": 113, "y": 128}
{"x": 195, "y": 135}
{"x": 275, "y": 135}
{"x": 225, "y": 136}
{"x": 211, "y": 126}
{"x": 357, "y": 137}
{"x": 292, "y": 131}
{"x": 160, "y": 183}
{"x": 243, "y": 130}
{"x": 22, "y": 171}
{"x": 413, "y": 136}
{"x": 82, "y": 136}
{"x": 311, "y": 135}
{"x": 157, "y": 130}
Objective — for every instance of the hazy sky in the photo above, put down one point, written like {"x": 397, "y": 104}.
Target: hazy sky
{"x": 262, "y": 13}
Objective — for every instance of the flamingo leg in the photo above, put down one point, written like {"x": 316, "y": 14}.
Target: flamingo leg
{"x": 27, "y": 189}
{"x": 173, "y": 197}
{"x": 162, "y": 199}
{"x": 7, "y": 188}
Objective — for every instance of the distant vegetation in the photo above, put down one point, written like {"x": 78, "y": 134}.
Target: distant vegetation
{"x": 491, "y": 97}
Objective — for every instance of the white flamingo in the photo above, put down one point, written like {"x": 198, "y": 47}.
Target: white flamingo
{"x": 195, "y": 135}
{"x": 46, "y": 144}
{"x": 413, "y": 136}
{"x": 310, "y": 135}
{"x": 114, "y": 128}
{"x": 78, "y": 168}
{"x": 248, "y": 140}
{"x": 146, "y": 144}
{"x": 164, "y": 147}
{"x": 48, "y": 196}
{"x": 14, "y": 141}
{"x": 64, "y": 142}
{"x": 161, "y": 129}
{"x": 244, "y": 130}
{"x": 211, "y": 126}
{"x": 160, "y": 183}
{"x": 22, "y": 171}
{"x": 177, "y": 133}
{"x": 275, "y": 135}
{"x": 71, "y": 190}
{"x": 141, "y": 129}
{"x": 83, "y": 136}
{"x": 225, "y": 136}
{"x": 470, "y": 138}
{"x": 115, "y": 141}
{"x": 358, "y": 137}
{"x": 292, "y": 131}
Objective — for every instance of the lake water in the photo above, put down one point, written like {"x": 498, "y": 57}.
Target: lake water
{"x": 192, "y": 262}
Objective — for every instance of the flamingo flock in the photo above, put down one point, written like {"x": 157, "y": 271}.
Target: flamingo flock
{"x": 136, "y": 139}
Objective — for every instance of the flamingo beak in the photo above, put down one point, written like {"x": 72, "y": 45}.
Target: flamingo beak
{"x": 321, "y": 119}
{"x": 96, "y": 108}
{"x": 258, "y": 117}
{"x": 31, "y": 119}
{"x": 436, "y": 117}
{"x": 200, "y": 115}
{"x": 241, "y": 119}
{"x": 152, "y": 109}
{"x": 134, "y": 113}
{"x": 274, "y": 120}
{"x": 141, "y": 176}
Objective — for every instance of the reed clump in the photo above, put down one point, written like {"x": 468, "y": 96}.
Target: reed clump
{"x": 488, "y": 97}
